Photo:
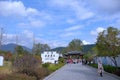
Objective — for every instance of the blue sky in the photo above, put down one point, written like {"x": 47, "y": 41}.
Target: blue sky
{"x": 57, "y": 22}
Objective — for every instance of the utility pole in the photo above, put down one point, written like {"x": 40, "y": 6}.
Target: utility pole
{"x": 16, "y": 46}
{"x": 1, "y": 37}
{"x": 33, "y": 49}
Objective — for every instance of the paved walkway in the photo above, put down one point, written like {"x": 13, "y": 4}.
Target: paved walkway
{"x": 79, "y": 72}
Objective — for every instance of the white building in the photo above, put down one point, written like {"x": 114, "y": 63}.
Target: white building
{"x": 50, "y": 57}
{"x": 1, "y": 60}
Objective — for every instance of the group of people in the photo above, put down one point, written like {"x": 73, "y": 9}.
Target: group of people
{"x": 73, "y": 61}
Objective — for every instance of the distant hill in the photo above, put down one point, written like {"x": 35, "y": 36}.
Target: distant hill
{"x": 11, "y": 47}
{"x": 88, "y": 47}
{"x": 58, "y": 49}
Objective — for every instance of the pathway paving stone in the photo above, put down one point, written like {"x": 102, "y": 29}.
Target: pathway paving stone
{"x": 79, "y": 72}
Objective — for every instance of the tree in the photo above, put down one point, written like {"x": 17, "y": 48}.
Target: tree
{"x": 20, "y": 51}
{"x": 75, "y": 44}
{"x": 2, "y": 37}
{"x": 39, "y": 48}
{"x": 108, "y": 43}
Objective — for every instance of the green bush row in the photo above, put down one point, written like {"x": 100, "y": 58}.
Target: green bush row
{"x": 52, "y": 67}
{"x": 107, "y": 68}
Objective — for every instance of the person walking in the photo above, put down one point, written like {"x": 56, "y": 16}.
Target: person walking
{"x": 100, "y": 68}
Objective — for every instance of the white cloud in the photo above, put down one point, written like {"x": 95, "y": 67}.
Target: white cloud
{"x": 28, "y": 34}
{"x": 32, "y": 23}
{"x": 70, "y": 21}
{"x": 32, "y": 11}
{"x": 110, "y": 6}
{"x": 85, "y": 42}
{"x": 37, "y": 23}
{"x": 54, "y": 44}
{"x": 77, "y": 27}
{"x": 98, "y": 30}
{"x": 77, "y": 6}
{"x": 70, "y": 34}
{"x": 24, "y": 38}
{"x": 15, "y": 8}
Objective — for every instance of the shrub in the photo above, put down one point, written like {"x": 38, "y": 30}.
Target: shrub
{"x": 54, "y": 67}
{"x": 107, "y": 68}
{"x": 61, "y": 60}
{"x": 110, "y": 69}
{"x": 94, "y": 65}
{"x": 26, "y": 62}
{"x": 46, "y": 65}
{"x": 16, "y": 76}
{"x": 30, "y": 65}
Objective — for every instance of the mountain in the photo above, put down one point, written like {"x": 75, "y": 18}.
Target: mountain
{"x": 11, "y": 47}
{"x": 58, "y": 49}
{"x": 88, "y": 47}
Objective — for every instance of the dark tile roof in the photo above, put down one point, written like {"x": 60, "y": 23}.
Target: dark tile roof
{"x": 74, "y": 53}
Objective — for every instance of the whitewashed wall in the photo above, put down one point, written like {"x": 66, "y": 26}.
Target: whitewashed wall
{"x": 1, "y": 60}
{"x": 50, "y": 56}
{"x": 108, "y": 61}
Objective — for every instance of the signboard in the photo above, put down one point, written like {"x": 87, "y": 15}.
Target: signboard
{"x": 1, "y": 60}
{"x": 49, "y": 58}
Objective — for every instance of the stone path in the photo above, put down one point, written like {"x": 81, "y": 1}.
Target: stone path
{"x": 79, "y": 72}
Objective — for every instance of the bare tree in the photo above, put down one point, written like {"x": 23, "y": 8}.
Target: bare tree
{"x": 2, "y": 36}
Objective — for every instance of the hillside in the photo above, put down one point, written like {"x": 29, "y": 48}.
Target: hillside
{"x": 58, "y": 49}
{"x": 86, "y": 48}
{"x": 11, "y": 47}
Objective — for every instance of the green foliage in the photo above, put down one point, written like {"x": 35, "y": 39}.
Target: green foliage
{"x": 87, "y": 48}
{"x": 6, "y": 68}
{"x": 108, "y": 43}
{"x": 61, "y": 60}
{"x": 94, "y": 65}
{"x": 88, "y": 56}
{"x": 110, "y": 69}
{"x": 59, "y": 49}
{"x": 46, "y": 65}
{"x": 20, "y": 51}
{"x": 74, "y": 45}
{"x": 8, "y": 56}
{"x": 107, "y": 68}
{"x": 39, "y": 48}
{"x": 54, "y": 67}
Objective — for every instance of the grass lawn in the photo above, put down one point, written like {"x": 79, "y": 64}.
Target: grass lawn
{"x": 7, "y": 74}
{"x": 54, "y": 67}
{"x": 6, "y": 68}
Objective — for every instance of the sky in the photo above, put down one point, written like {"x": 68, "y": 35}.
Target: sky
{"x": 57, "y": 22}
